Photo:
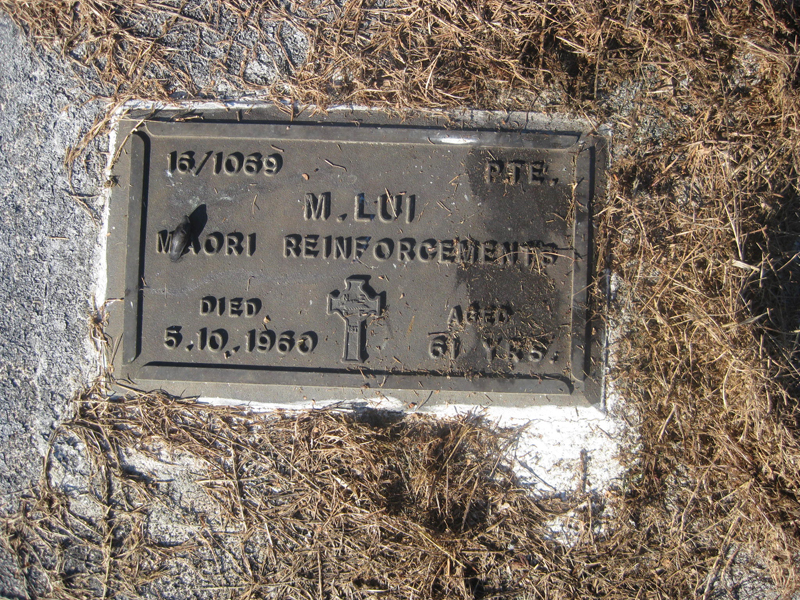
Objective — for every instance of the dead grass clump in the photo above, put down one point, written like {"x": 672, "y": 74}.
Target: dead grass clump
{"x": 314, "y": 505}
{"x": 702, "y": 225}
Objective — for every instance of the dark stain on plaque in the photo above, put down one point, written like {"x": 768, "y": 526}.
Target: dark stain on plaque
{"x": 513, "y": 293}
{"x": 513, "y": 315}
{"x": 529, "y": 191}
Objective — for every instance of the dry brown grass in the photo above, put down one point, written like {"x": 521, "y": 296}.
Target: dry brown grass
{"x": 323, "y": 504}
{"x": 700, "y": 222}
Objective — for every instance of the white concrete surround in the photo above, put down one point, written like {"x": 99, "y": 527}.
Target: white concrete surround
{"x": 559, "y": 449}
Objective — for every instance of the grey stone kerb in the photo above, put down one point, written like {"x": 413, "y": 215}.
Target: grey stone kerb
{"x": 50, "y": 215}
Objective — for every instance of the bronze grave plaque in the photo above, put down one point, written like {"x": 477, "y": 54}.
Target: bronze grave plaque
{"x": 390, "y": 257}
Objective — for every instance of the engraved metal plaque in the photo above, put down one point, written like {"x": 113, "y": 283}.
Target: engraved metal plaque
{"x": 336, "y": 255}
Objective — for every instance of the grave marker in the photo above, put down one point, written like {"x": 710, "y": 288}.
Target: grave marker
{"x": 336, "y": 255}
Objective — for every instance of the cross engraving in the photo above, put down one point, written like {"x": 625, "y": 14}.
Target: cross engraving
{"x": 354, "y": 304}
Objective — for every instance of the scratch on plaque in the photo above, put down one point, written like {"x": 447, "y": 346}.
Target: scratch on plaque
{"x": 276, "y": 148}
{"x": 411, "y": 325}
{"x": 335, "y": 165}
{"x": 252, "y": 208}
{"x": 426, "y": 400}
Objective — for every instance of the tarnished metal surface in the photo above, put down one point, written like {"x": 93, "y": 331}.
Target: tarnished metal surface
{"x": 340, "y": 255}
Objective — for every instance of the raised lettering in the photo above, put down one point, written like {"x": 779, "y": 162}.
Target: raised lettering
{"x": 464, "y": 252}
{"x": 411, "y": 207}
{"x": 310, "y": 246}
{"x": 427, "y": 250}
{"x": 494, "y": 169}
{"x": 406, "y": 251}
{"x": 490, "y": 344}
{"x": 173, "y": 336}
{"x": 514, "y": 171}
{"x": 488, "y": 251}
{"x": 526, "y": 253}
{"x": 317, "y": 207}
{"x": 508, "y": 254}
{"x": 447, "y": 251}
{"x": 291, "y": 245}
{"x": 307, "y": 342}
{"x": 234, "y": 162}
{"x": 327, "y": 246}
{"x": 343, "y": 247}
{"x": 252, "y": 307}
{"x": 516, "y": 349}
{"x": 468, "y": 251}
{"x": 536, "y": 171}
{"x": 391, "y": 207}
{"x": 208, "y": 304}
{"x": 235, "y": 307}
{"x": 537, "y": 354}
{"x": 234, "y": 243}
{"x": 444, "y": 346}
{"x": 383, "y": 249}
{"x": 361, "y": 213}
{"x": 473, "y": 311}
{"x": 362, "y": 243}
{"x": 285, "y": 342}
{"x": 214, "y": 243}
{"x": 438, "y": 346}
{"x": 163, "y": 241}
